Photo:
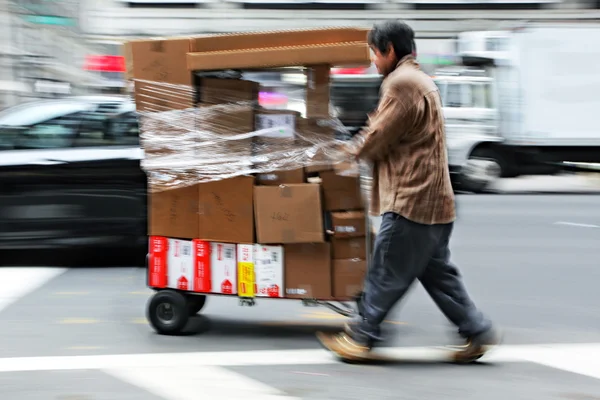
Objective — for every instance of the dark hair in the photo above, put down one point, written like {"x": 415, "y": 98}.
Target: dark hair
{"x": 397, "y": 33}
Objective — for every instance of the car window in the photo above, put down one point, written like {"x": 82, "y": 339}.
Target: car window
{"x": 83, "y": 125}
{"x": 38, "y": 112}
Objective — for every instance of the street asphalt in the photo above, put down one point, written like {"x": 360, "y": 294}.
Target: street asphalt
{"x": 531, "y": 262}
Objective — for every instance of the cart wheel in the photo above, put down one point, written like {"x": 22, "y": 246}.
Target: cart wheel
{"x": 196, "y": 303}
{"x": 168, "y": 312}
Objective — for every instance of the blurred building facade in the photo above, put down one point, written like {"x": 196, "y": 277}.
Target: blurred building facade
{"x": 436, "y": 21}
{"x": 43, "y": 49}
{"x": 56, "y": 47}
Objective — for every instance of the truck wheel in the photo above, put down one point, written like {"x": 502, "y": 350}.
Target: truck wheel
{"x": 483, "y": 168}
{"x": 168, "y": 312}
{"x": 196, "y": 304}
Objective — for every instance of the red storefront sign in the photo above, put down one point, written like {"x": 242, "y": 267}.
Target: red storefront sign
{"x": 104, "y": 63}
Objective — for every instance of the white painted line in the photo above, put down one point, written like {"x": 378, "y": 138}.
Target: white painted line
{"x": 566, "y": 223}
{"x": 517, "y": 353}
{"x": 185, "y": 383}
{"x": 578, "y": 361}
{"x": 18, "y": 282}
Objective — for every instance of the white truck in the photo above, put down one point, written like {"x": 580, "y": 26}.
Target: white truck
{"x": 524, "y": 102}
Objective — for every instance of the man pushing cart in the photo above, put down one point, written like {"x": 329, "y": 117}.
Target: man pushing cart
{"x": 405, "y": 144}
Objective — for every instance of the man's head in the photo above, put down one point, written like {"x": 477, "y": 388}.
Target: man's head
{"x": 390, "y": 41}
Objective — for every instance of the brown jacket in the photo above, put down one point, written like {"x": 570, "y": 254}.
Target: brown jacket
{"x": 405, "y": 141}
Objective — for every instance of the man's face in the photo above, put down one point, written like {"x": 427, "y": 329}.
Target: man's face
{"x": 385, "y": 63}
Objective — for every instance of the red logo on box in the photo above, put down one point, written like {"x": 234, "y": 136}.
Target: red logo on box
{"x": 226, "y": 287}
{"x": 157, "y": 262}
{"x": 202, "y": 272}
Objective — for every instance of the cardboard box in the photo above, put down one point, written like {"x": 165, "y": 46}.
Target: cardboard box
{"x": 311, "y": 133}
{"x": 223, "y": 268}
{"x": 349, "y": 248}
{"x": 160, "y": 97}
{"x": 245, "y": 264}
{"x": 348, "y": 224}
{"x": 276, "y": 178}
{"x": 341, "y": 192}
{"x": 160, "y": 60}
{"x": 225, "y": 210}
{"x": 226, "y": 91}
{"x": 174, "y": 213}
{"x": 348, "y": 277}
{"x": 317, "y": 91}
{"x": 277, "y": 38}
{"x": 268, "y": 271}
{"x": 308, "y": 271}
{"x": 288, "y": 214}
{"x": 355, "y": 53}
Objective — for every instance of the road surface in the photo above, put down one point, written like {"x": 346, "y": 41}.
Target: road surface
{"x": 531, "y": 263}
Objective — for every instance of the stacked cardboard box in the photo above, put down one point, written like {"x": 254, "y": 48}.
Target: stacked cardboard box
{"x": 230, "y": 208}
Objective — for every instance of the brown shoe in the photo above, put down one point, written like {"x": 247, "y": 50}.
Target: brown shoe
{"x": 476, "y": 347}
{"x": 343, "y": 346}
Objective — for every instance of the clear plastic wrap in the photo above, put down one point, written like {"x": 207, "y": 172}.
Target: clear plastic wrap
{"x": 222, "y": 128}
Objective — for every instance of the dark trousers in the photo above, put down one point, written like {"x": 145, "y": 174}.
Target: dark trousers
{"x": 405, "y": 251}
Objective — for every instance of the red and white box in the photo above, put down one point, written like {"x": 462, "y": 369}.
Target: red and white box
{"x": 268, "y": 271}
{"x": 223, "y": 267}
{"x": 202, "y": 266}
{"x": 179, "y": 264}
{"x": 157, "y": 261}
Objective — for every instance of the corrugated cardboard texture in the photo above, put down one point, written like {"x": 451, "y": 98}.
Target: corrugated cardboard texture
{"x": 223, "y": 91}
{"x": 355, "y": 53}
{"x": 158, "y": 97}
{"x": 174, "y": 213}
{"x": 341, "y": 193}
{"x": 225, "y": 211}
{"x": 266, "y": 39}
{"x": 288, "y": 214}
{"x": 160, "y": 60}
{"x": 317, "y": 91}
{"x": 349, "y": 248}
{"x": 308, "y": 271}
{"x": 348, "y": 277}
{"x": 348, "y": 224}
{"x": 277, "y": 178}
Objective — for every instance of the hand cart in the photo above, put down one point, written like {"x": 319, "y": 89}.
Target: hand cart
{"x": 169, "y": 310}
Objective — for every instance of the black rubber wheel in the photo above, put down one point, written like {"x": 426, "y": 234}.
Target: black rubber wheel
{"x": 168, "y": 312}
{"x": 196, "y": 304}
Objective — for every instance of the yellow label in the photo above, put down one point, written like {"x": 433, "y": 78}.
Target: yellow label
{"x": 245, "y": 279}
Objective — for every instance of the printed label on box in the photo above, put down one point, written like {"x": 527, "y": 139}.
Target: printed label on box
{"x": 345, "y": 229}
{"x": 157, "y": 262}
{"x": 223, "y": 268}
{"x": 245, "y": 264}
{"x": 276, "y": 125}
{"x": 180, "y": 264}
{"x": 202, "y": 267}
{"x": 268, "y": 271}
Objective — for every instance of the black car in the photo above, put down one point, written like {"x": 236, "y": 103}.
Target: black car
{"x": 70, "y": 175}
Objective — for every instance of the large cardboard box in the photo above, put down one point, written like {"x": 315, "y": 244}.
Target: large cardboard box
{"x": 225, "y": 210}
{"x": 341, "y": 193}
{"x": 159, "y": 60}
{"x": 225, "y": 91}
{"x": 174, "y": 213}
{"x": 348, "y": 224}
{"x": 349, "y": 248}
{"x": 280, "y": 48}
{"x": 308, "y": 271}
{"x": 348, "y": 277}
{"x": 288, "y": 214}
{"x": 276, "y": 178}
